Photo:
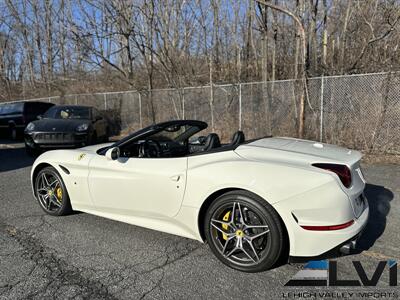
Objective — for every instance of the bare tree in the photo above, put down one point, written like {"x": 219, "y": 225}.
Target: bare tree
{"x": 57, "y": 46}
{"x": 303, "y": 75}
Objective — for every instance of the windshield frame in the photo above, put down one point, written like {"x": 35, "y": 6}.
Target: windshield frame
{"x": 156, "y": 128}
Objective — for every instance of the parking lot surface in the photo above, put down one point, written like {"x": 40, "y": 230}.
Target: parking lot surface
{"x": 83, "y": 256}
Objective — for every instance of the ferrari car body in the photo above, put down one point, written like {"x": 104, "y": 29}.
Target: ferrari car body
{"x": 311, "y": 193}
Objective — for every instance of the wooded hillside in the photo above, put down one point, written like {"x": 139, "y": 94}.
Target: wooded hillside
{"x": 57, "y": 47}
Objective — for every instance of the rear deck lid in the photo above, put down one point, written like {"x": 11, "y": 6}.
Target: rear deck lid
{"x": 310, "y": 148}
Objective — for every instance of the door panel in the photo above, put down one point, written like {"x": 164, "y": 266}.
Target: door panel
{"x": 138, "y": 186}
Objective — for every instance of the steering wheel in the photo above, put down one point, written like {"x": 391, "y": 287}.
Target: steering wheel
{"x": 150, "y": 148}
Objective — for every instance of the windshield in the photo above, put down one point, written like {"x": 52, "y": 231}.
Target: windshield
{"x": 68, "y": 112}
{"x": 176, "y": 133}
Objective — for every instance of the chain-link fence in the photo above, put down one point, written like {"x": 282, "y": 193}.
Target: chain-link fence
{"x": 358, "y": 111}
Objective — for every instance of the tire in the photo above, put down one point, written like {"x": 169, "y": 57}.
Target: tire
{"x": 63, "y": 206}
{"x": 259, "y": 232}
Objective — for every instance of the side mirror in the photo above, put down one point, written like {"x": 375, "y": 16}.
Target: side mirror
{"x": 39, "y": 117}
{"x": 112, "y": 153}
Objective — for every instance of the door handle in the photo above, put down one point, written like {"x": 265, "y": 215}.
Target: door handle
{"x": 175, "y": 178}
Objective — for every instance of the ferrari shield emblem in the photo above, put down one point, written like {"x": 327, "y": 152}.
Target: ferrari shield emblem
{"x": 81, "y": 156}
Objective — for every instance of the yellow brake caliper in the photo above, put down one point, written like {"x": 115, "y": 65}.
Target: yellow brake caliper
{"x": 224, "y": 226}
{"x": 59, "y": 194}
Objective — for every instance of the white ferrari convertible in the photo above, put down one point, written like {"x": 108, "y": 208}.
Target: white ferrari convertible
{"x": 253, "y": 201}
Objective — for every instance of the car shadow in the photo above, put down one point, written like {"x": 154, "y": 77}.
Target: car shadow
{"x": 379, "y": 199}
{"x": 14, "y": 158}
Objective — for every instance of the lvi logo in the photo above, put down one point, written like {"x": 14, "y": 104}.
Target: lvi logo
{"x": 325, "y": 273}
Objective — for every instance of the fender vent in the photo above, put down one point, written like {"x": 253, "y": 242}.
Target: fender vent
{"x": 66, "y": 171}
{"x": 295, "y": 218}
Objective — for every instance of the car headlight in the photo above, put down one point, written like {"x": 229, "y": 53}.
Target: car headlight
{"x": 30, "y": 127}
{"x": 82, "y": 127}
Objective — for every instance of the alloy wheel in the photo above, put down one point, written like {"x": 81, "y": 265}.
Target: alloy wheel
{"x": 49, "y": 191}
{"x": 240, "y": 233}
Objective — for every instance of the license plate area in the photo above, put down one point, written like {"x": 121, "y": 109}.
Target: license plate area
{"x": 359, "y": 205}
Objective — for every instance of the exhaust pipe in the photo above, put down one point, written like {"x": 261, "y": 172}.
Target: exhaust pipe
{"x": 348, "y": 247}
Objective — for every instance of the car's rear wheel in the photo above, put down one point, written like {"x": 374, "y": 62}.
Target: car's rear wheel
{"x": 244, "y": 231}
{"x": 51, "y": 192}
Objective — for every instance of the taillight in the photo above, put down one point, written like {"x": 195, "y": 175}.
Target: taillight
{"x": 342, "y": 171}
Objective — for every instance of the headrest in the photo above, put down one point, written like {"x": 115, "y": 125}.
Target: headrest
{"x": 237, "y": 138}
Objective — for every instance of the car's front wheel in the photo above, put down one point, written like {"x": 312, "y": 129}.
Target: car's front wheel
{"x": 51, "y": 192}
{"x": 244, "y": 231}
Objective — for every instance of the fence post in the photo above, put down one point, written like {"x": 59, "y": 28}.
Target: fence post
{"x": 240, "y": 106}
{"x": 105, "y": 101}
{"x": 76, "y": 99}
{"x": 212, "y": 105}
{"x": 321, "y": 117}
{"x": 140, "y": 110}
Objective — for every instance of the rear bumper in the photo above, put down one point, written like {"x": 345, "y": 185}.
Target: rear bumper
{"x": 326, "y": 205}
{"x": 345, "y": 248}
{"x": 51, "y": 140}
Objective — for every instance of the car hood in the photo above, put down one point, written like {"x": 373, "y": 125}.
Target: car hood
{"x": 59, "y": 125}
{"x": 288, "y": 149}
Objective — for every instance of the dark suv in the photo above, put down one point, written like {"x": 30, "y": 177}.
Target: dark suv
{"x": 16, "y": 115}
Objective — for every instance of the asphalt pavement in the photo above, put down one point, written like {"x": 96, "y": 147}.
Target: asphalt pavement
{"x": 81, "y": 256}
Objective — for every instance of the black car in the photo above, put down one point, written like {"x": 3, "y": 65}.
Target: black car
{"x": 66, "y": 126}
{"x": 16, "y": 115}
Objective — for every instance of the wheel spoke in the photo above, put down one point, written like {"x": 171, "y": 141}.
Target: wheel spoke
{"x": 241, "y": 216}
{"x": 226, "y": 244}
{"x": 220, "y": 230}
{"x": 231, "y": 225}
{"x": 231, "y": 252}
{"x": 54, "y": 182}
{"x": 55, "y": 201}
{"x": 44, "y": 180}
{"x": 256, "y": 226}
{"x": 48, "y": 203}
{"x": 254, "y": 250}
{"x": 42, "y": 183}
{"x": 42, "y": 191}
{"x": 233, "y": 213}
{"x": 221, "y": 222}
{"x": 258, "y": 234}
{"x": 42, "y": 199}
{"x": 247, "y": 254}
